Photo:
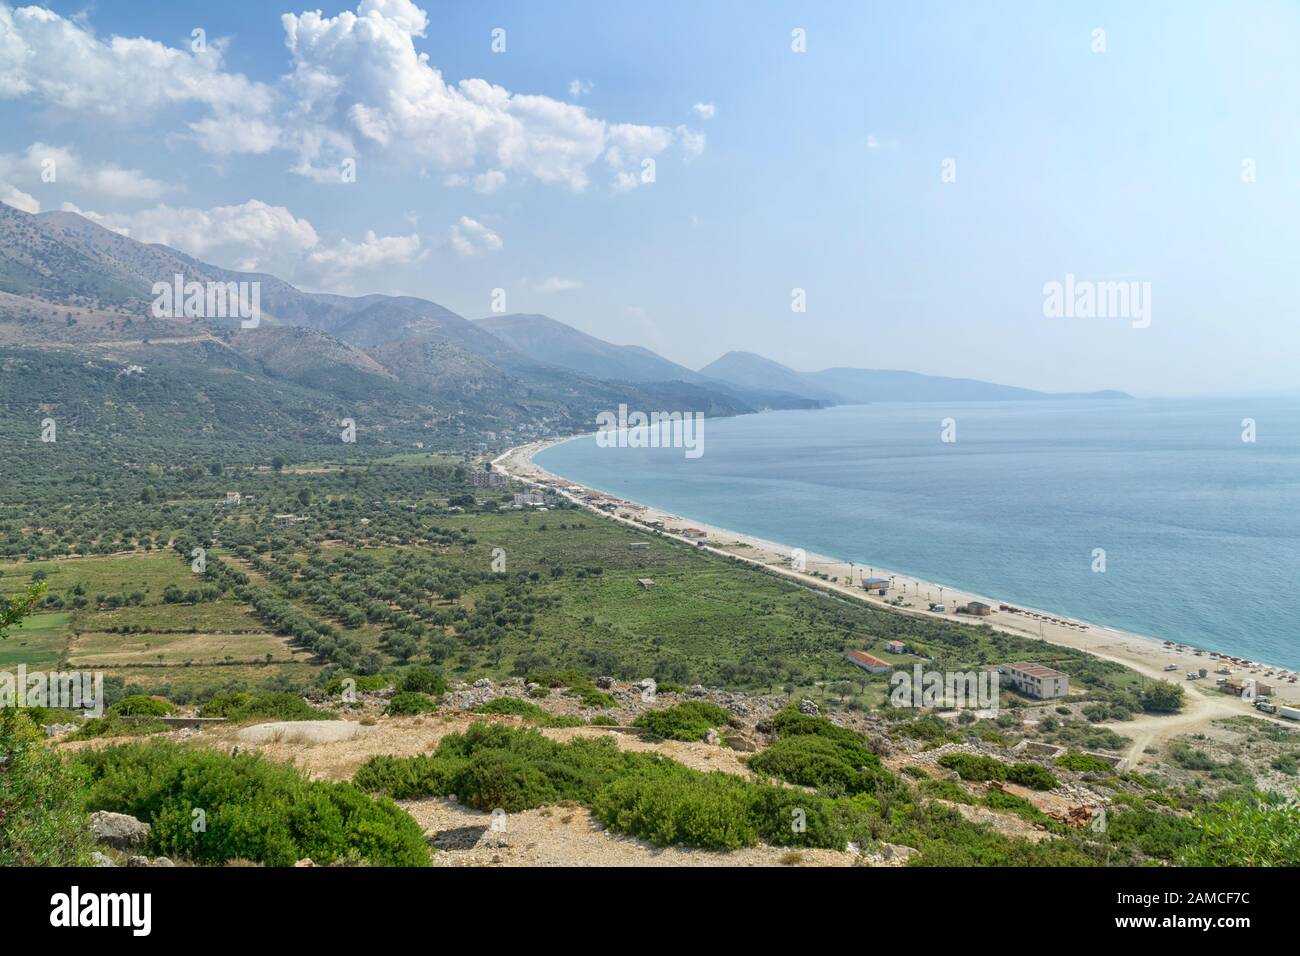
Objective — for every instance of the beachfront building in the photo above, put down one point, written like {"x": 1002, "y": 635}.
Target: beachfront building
{"x": 1036, "y": 680}
{"x": 879, "y": 585}
{"x": 868, "y": 662}
{"x": 979, "y": 609}
{"x": 694, "y": 533}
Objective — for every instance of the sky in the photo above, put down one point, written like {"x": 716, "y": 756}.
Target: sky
{"x": 686, "y": 175}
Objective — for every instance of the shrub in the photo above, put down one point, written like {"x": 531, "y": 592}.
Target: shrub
{"x": 1083, "y": 763}
{"x": 690, "y": 720}
{"x": 140, "y": 705}
{"x": 238, "y": 706}
{"x": 974, "y": 766}
{"x": 41, "y": 820}
{"x": 420, "y": 680}
{"x": 530, "y": 712}
{"x": 1033, "y": 776}
{"x": 255, "y": 810}
{"x": 666, "y": 809}
{"x": 1245, "y": 832}
{"x": 1161, "y": 697}
{"x": 362, "y": 682}
{"x": 112, "y": 725}
{"x": 409, "y": 702}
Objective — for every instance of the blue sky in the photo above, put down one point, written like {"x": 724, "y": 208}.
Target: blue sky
{"x": 818, "y": 170}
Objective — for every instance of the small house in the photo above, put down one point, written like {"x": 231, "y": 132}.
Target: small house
{"x": 645, "y": 584}
{"x": 868, "y": 662}
{"x": 895, "y": 647}
{"x": 979, "y": 609}
{"x": 879, "y": 585}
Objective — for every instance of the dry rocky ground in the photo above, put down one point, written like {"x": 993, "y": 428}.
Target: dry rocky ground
{"x": 569, "y": 835}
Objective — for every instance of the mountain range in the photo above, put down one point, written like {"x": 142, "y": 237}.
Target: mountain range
{"x": 71, "y": 288}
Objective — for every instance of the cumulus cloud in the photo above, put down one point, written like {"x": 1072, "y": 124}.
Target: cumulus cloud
{"x": 373, "y": 252}
{"x": 358, "y": 86}
{"x": 42, "y": 163}
{"x": 18, "y": 199}
{"x": 255, "y": 236}
{"x": 469, "y": 237}
{"x": 705, "y": 110}
{"x": 250, "y": 235}
{"x": 64, "y": 64}
{"x": 557, "y": 284}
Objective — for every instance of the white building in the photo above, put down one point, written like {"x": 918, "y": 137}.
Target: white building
{"x": 1036, "y": 680}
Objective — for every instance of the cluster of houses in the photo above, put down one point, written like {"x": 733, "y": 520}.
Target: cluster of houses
{"x": 234, "y": 499}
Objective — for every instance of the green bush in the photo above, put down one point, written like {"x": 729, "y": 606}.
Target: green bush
{"x": 690, "y": 720}
{"x": 362, "y": 682}
{"x": 406, "y": 702}
{"x": 666, "y": 809}
{"x": 237, "y": 706}
{"x": 112, "y": 725}
{"x": 1033, "y": 776}
{"x": 514, "y": 768}
{"x": 41, "y": 820}
{"x": 530, "y": 712}
{"x": 1245, "y": 832}
{"x": 974, "y": 766}
{"x": 420, "y": 680}
{"x": 254, "y": 810}
{"x": 140, "y": 705}
{"x": 1083, "y": 763}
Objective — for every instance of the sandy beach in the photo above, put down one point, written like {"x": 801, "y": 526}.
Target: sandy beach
{"x": 1147, "y": 655}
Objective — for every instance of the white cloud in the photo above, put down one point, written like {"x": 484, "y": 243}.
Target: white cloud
{"x": 470, "y": 237}
{"x": 61, "y": 62}
{"x": 252, "y": 234}
{"x": 18, "y": 199}
{"x": 373, "y": 252}
{"x": 705, "y": 110}
{"x": 358, "y": 83}
{"x": 557, "y": 284}
{"x": 356, "y": 87}
{"x": 490, "y": 181}
{"x": 42, "y": 163}
{"x": 579, "y": 88}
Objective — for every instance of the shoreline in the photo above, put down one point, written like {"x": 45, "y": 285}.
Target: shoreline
{"x": 1147, "y": 655}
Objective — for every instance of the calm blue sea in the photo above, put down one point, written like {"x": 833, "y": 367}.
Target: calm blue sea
{"x": 1201, "y": 530}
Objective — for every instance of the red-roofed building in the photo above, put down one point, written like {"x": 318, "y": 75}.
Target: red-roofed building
{"x": 868, "y": 662}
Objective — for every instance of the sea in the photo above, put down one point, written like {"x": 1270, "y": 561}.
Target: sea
{"x": 1178, "y": 519}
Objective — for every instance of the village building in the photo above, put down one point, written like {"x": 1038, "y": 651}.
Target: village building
{"x": 895, "y": 647}
{"x": 868, "y": 662}
{"x": 1036, "y": 680}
